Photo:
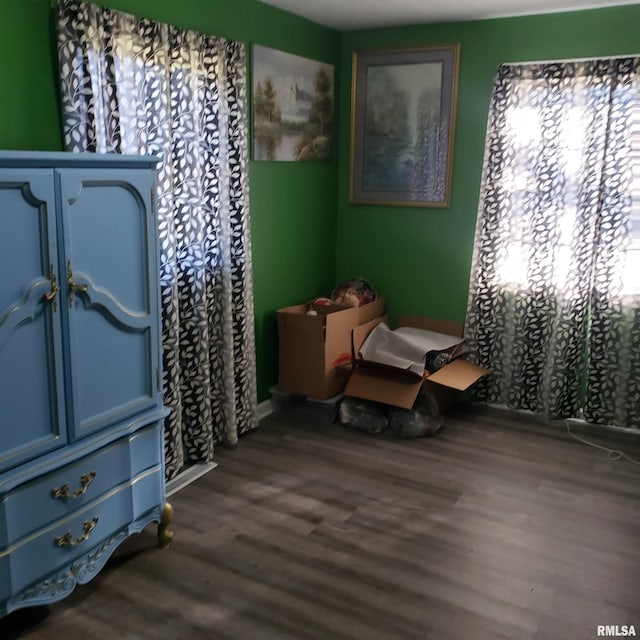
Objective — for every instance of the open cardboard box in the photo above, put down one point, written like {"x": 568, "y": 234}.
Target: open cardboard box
{"x": 400, "y": 388}
{"x": 314, "y": 351}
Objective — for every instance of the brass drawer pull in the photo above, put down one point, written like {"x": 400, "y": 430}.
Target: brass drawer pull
{"x": 73, "y": 286}
{"x": 63, "y": 492}
{"x": 67, "y": 539}
{"x": 51, "y": 296}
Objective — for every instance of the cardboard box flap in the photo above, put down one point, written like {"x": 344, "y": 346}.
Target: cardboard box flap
{"x": 294, "y": 321}
{"x": 338, "y": 325}
{"x": 331, "y": 322}
{"x": 326, "y": 309}
{"x": 380, "y": 385}
{"x": 370, "y": 311}
{"x": 459, "y": 374}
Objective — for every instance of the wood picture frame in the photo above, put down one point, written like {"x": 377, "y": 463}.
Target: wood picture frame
{"x": 403, "y": 109}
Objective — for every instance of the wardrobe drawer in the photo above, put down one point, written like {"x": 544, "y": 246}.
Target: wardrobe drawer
{"x": 78, "y": 537}
{"x": 34, "y": 504}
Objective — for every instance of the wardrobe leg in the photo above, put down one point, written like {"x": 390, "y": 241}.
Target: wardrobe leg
{"x": 164, "y": 535}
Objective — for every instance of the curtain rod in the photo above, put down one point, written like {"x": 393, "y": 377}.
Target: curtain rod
{"x": 624, "y": 55}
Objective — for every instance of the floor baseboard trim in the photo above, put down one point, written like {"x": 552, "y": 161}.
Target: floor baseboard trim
{"x": 265, "y": 409}
{"x": 195, "y": 471}
{"x": 189, "y": 475}
{"x": 576, "y": 425}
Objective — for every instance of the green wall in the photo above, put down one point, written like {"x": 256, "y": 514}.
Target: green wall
{"x": 29, "y": 113}
{"x": 293, "y": 210}
{"x": 306, "y": 235}
{"x": 420, "y": 258}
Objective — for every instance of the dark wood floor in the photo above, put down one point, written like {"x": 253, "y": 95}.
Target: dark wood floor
{"x": 491, "y": 529}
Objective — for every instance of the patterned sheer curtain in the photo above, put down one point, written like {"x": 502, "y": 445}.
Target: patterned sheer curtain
{"x": 131, "y": 85}
{"x": 554, "y": 294}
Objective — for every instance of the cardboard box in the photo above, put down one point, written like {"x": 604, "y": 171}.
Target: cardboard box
{"x": 315, "y": 351}
{"x": 400, "y": 388}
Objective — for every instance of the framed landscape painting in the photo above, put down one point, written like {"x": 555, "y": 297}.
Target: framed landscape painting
{"x": 403, "y": 108}
{"x": 292, "y": 106}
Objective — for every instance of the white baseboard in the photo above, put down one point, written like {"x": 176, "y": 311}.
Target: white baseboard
{"x": 192, "y": 473}
{"x": 265, "y": 409}
{"x": 189, "y": 475}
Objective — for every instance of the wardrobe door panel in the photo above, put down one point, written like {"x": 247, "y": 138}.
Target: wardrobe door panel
{"x": 109, "y": 229}
{"x": 31, "y": 389}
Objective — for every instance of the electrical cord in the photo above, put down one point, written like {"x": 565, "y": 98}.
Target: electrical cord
{"x": 613, "y": 454}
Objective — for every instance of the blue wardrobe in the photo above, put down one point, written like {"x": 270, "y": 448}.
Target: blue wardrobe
{"x": 81, "y": 414}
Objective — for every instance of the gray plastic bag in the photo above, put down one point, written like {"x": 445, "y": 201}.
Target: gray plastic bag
{"x": 423, "y": 420}
{"x": 363, "y": 415}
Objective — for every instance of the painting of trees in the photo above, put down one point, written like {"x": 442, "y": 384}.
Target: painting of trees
{"x": 403, "y": 116}
{"x": 292, "y": 106}
{"x": 265, "y": 103}
{"x": 388, "y": 157}
{"x": 431, "y": 148}
{"x": 314, "y": 143}
{"x": 322, "y": 107}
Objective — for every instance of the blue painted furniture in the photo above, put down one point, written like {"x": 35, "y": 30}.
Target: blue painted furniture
{"x": 81, "y": 414}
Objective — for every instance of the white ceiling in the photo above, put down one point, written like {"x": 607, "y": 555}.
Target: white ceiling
{"x": 359, "y": 14}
